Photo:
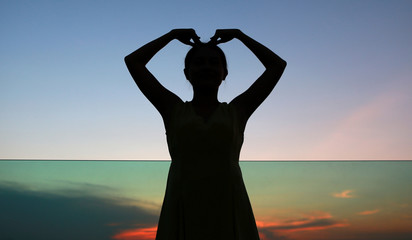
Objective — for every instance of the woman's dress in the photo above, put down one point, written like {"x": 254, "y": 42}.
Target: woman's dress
{"x": 205, "y": 196}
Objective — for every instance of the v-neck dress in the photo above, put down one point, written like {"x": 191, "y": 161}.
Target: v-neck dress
{"x": 205, "y": 194}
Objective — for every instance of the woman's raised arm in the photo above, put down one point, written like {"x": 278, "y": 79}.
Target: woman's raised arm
{"x": 249, "y": 101}
{"x": 136, "y": 62}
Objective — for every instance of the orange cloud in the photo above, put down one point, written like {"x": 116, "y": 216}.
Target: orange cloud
{"x": 316, "y": 221}
{"x": 344, "y": 194}
{"x": 267, "y": 230}
{"x": 369, "y": 212}
{"x": 137, "y": 234}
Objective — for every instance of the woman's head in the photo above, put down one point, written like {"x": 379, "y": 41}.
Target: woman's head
{"x": 205, "y": 61}
{"x": 190, "y": 54}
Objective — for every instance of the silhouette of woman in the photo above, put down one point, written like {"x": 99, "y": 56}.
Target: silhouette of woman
{"x": 205, "y": 195}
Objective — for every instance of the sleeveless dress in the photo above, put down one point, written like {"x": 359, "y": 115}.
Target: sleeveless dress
{"x": 205, "y": 196}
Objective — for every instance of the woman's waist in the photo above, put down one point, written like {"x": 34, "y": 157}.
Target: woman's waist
{"x": 204, "y": 170}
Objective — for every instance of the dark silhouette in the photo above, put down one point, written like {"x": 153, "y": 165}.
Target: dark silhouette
{"x": 205, "y": 196}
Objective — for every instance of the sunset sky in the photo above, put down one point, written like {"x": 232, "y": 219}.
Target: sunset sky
{"x": 65, "y": 92}
{"x": 121, "y": 200}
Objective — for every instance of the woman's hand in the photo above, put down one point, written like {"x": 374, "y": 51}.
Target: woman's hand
{"x": 225, "y": 35}
{"x": 185, "y": 36}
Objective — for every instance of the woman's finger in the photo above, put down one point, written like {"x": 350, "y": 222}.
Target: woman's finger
{"x": 213, "y": 39}
{"x": 196, "y": 39}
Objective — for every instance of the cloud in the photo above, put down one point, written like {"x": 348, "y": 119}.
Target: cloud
{"x": 344, "y": 194}
{"x": 315, "y": 221}
{"x": 369, "y": 212}
{"x": 374, "y": 129}
{"x": 28, "y": 214}
{"x": 147, "y": 233}
{"x": 267, "y": 234}
{"x": 375, "y": 234}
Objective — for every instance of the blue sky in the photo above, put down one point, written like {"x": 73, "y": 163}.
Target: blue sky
{"x": 65, "y": 92}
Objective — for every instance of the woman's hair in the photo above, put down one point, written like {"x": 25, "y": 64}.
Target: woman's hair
{"x": 196, "y": 47}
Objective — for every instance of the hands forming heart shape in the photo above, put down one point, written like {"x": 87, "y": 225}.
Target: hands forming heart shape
{"x": 189, "y": 36}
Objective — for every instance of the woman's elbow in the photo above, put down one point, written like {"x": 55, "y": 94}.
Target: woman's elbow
{"x": 127, "y": 59}
{"x": 283, "y": 63}
{"x": 277, "y": 65}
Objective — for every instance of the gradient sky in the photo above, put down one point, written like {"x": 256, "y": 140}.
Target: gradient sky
{"x": 65, "y": 92}
{"x": 324, "y": 200}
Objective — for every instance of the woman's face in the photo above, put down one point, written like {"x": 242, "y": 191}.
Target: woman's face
{"x": 206, "y": 68}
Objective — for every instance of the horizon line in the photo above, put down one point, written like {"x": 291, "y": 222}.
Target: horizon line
{"x": 240, "y": 160}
